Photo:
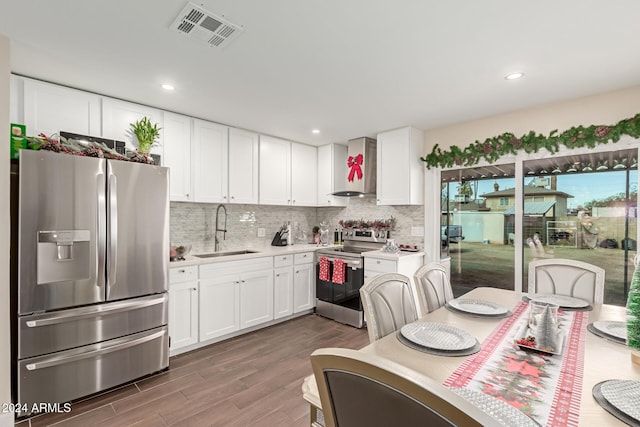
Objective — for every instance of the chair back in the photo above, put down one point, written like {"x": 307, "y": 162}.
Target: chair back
{"x": 359, "y": 389}
{"x": 567, "y": 277}
{"x": 388, "y": 304}
{"x": 433, "y": 288}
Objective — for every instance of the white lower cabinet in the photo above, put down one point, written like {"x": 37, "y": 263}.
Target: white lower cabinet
{"x": 403, "y": 264}
{"x": 216, "y": 301}
{"x": 256, "y": 298}
{"x": 219, "y": 306}
{"x": 283, "y": 286}
{"x": 183, "y": 307}
{"x": 235, "y": 295}
{"x": 304, "y": 284}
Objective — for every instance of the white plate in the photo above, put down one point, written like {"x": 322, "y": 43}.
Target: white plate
{"x": 506, "y": 414}
{"x": 477, "y": 306}
{"x": 613, "y": 328}
{"x": 563, "y": 301}
{"x": 439, "y": 336}
{"x": 624, "y": 395}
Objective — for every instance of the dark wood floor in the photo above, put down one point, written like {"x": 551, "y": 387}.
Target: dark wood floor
{"x": 253, "y": 379}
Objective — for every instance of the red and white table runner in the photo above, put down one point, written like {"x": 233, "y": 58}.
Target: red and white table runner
{"x": 546, "y": 387}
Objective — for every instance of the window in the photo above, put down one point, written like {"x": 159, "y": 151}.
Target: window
{"x": 584, "y": 209}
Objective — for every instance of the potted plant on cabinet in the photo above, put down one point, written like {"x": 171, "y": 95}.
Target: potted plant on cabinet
{"x": 146, "y": 134}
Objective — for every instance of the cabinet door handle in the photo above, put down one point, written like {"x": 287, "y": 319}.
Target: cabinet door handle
{"x": 242, "y": 281}
{"x": 194, "y": 289}
{"x": 278, "y": 275}
{"x": 181, "y": 271}
{"x": 233, "y": 197}
{"x": 377, "y": 262}
{"x": 187, "y": 195}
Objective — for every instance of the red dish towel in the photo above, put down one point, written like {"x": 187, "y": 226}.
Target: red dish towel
{"x": 324, "y": 269}
{"x": 338, "y": 271}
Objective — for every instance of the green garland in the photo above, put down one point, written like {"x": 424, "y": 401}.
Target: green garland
{"x": 507, "y": 143}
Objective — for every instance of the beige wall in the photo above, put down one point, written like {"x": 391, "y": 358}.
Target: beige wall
{"x": 606, "y": 109}
{"x": 5, "y": 369}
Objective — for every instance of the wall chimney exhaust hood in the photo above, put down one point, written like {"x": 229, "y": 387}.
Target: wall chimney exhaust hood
{"x": 361, "y": 168}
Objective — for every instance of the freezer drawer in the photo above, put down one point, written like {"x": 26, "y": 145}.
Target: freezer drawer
{"x": 72, "y": 374}
{"x": 40, "y": 334}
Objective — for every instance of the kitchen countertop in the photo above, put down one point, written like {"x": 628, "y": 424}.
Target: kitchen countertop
{"x": 379, "y": 254}
{"x": 261, "y": 252}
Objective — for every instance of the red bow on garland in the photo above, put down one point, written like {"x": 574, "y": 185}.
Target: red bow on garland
{"x": 354, "y": 163}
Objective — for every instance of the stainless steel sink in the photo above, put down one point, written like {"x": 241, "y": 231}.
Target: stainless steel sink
{"x": 219, "y": 254}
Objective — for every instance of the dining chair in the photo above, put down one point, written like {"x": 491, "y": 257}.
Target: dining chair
{"x": 360, "y": 389}
{"x": 567, "y": 277}
{"x": 433, "y": 287}
{"x": 388, "y": 304}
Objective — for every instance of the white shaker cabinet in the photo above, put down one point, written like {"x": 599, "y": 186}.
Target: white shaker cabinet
{"x": 243, "y": 166}
{"x": 275, "y": 171}
{"x": 288, "y": 172}
{"x": 183, "y": 307}
{"x": 219, "y": 306}
{"x": 282, "y": 286}
{"x": 400, "y": 172}
{"x": 304, "y": 175}
{"x": 304, "y": 284}
{"x": 210, "y": 144}
{"x": 332, "y": 174}
{"x": 117, "y": 117}
{"x": 256, "y": 298}
{"x": 50, "y": 108}
{"x": 177, "y": 156}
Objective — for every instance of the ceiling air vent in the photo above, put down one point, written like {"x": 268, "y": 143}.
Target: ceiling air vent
{"x": 205, "y": 26}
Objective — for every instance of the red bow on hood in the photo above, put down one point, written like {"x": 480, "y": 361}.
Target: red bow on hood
{"x": 354, "y": 164}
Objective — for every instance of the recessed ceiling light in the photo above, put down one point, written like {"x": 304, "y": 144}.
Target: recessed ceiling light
{"x": 514, "y": 76}
{"x": 315, "y": 131}
{"x": 167, "y": 87}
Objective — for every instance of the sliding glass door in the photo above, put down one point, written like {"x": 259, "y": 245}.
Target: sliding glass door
{"x": 580, "y": 205}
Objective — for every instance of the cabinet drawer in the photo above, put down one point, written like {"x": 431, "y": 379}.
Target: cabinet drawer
{"x": 283, "y": 260}
{"x": 303, "y": 258}
{"x": 380, "y": 265}
{"x": 183, "y": 274}
{"x": 217, "y": 269}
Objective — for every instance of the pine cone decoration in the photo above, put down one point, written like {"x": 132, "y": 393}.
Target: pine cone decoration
{"x": 487, "y": 148}
{"x": 517, "y": 143}
{"x": 51, "y": 146}
{"x": 93, "y": 152}
{"x": 602, "y": 131}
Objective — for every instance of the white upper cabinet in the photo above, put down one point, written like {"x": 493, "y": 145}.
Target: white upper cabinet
{"x": 332, "y": 174}
{"x": 400, "y": 172}
{"x": 117, "y": 117}
{"x": 177, "y": 156}
{"x": 50, "y": 108}
{"x": 243, "y": 166}
{"x": 275, "y": 171}
{"x": 304, "y": 175}
{"x": 288, "y": 172}
{"x": 210, "y": 143}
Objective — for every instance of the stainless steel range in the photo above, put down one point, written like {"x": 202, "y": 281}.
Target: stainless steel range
{"x": 340, "y": 275}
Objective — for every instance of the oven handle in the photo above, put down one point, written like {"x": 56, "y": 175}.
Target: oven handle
{"x": 354, "y": 263}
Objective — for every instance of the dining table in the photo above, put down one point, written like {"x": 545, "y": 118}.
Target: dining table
{"x": 598, "y": 360}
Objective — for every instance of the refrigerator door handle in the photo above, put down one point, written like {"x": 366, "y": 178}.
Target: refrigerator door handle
{"x": 83, "y": 313}
{"x": 102, "y": 230}
{"x": 112, "y": 255}
{"x": 61, "y": 360}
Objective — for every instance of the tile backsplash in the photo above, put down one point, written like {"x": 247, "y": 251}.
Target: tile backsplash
{"x": 194, "y": 223}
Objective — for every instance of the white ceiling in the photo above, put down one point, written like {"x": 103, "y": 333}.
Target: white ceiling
{"x": 350, "y": 68}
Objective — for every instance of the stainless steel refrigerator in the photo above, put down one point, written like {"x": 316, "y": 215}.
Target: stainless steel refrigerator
{"x": 90, "y": 275}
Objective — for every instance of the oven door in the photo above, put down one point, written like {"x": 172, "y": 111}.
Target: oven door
{"x": 336, "y": 293}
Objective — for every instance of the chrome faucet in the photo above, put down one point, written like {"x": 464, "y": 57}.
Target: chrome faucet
{"x": 224, "y": 230}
